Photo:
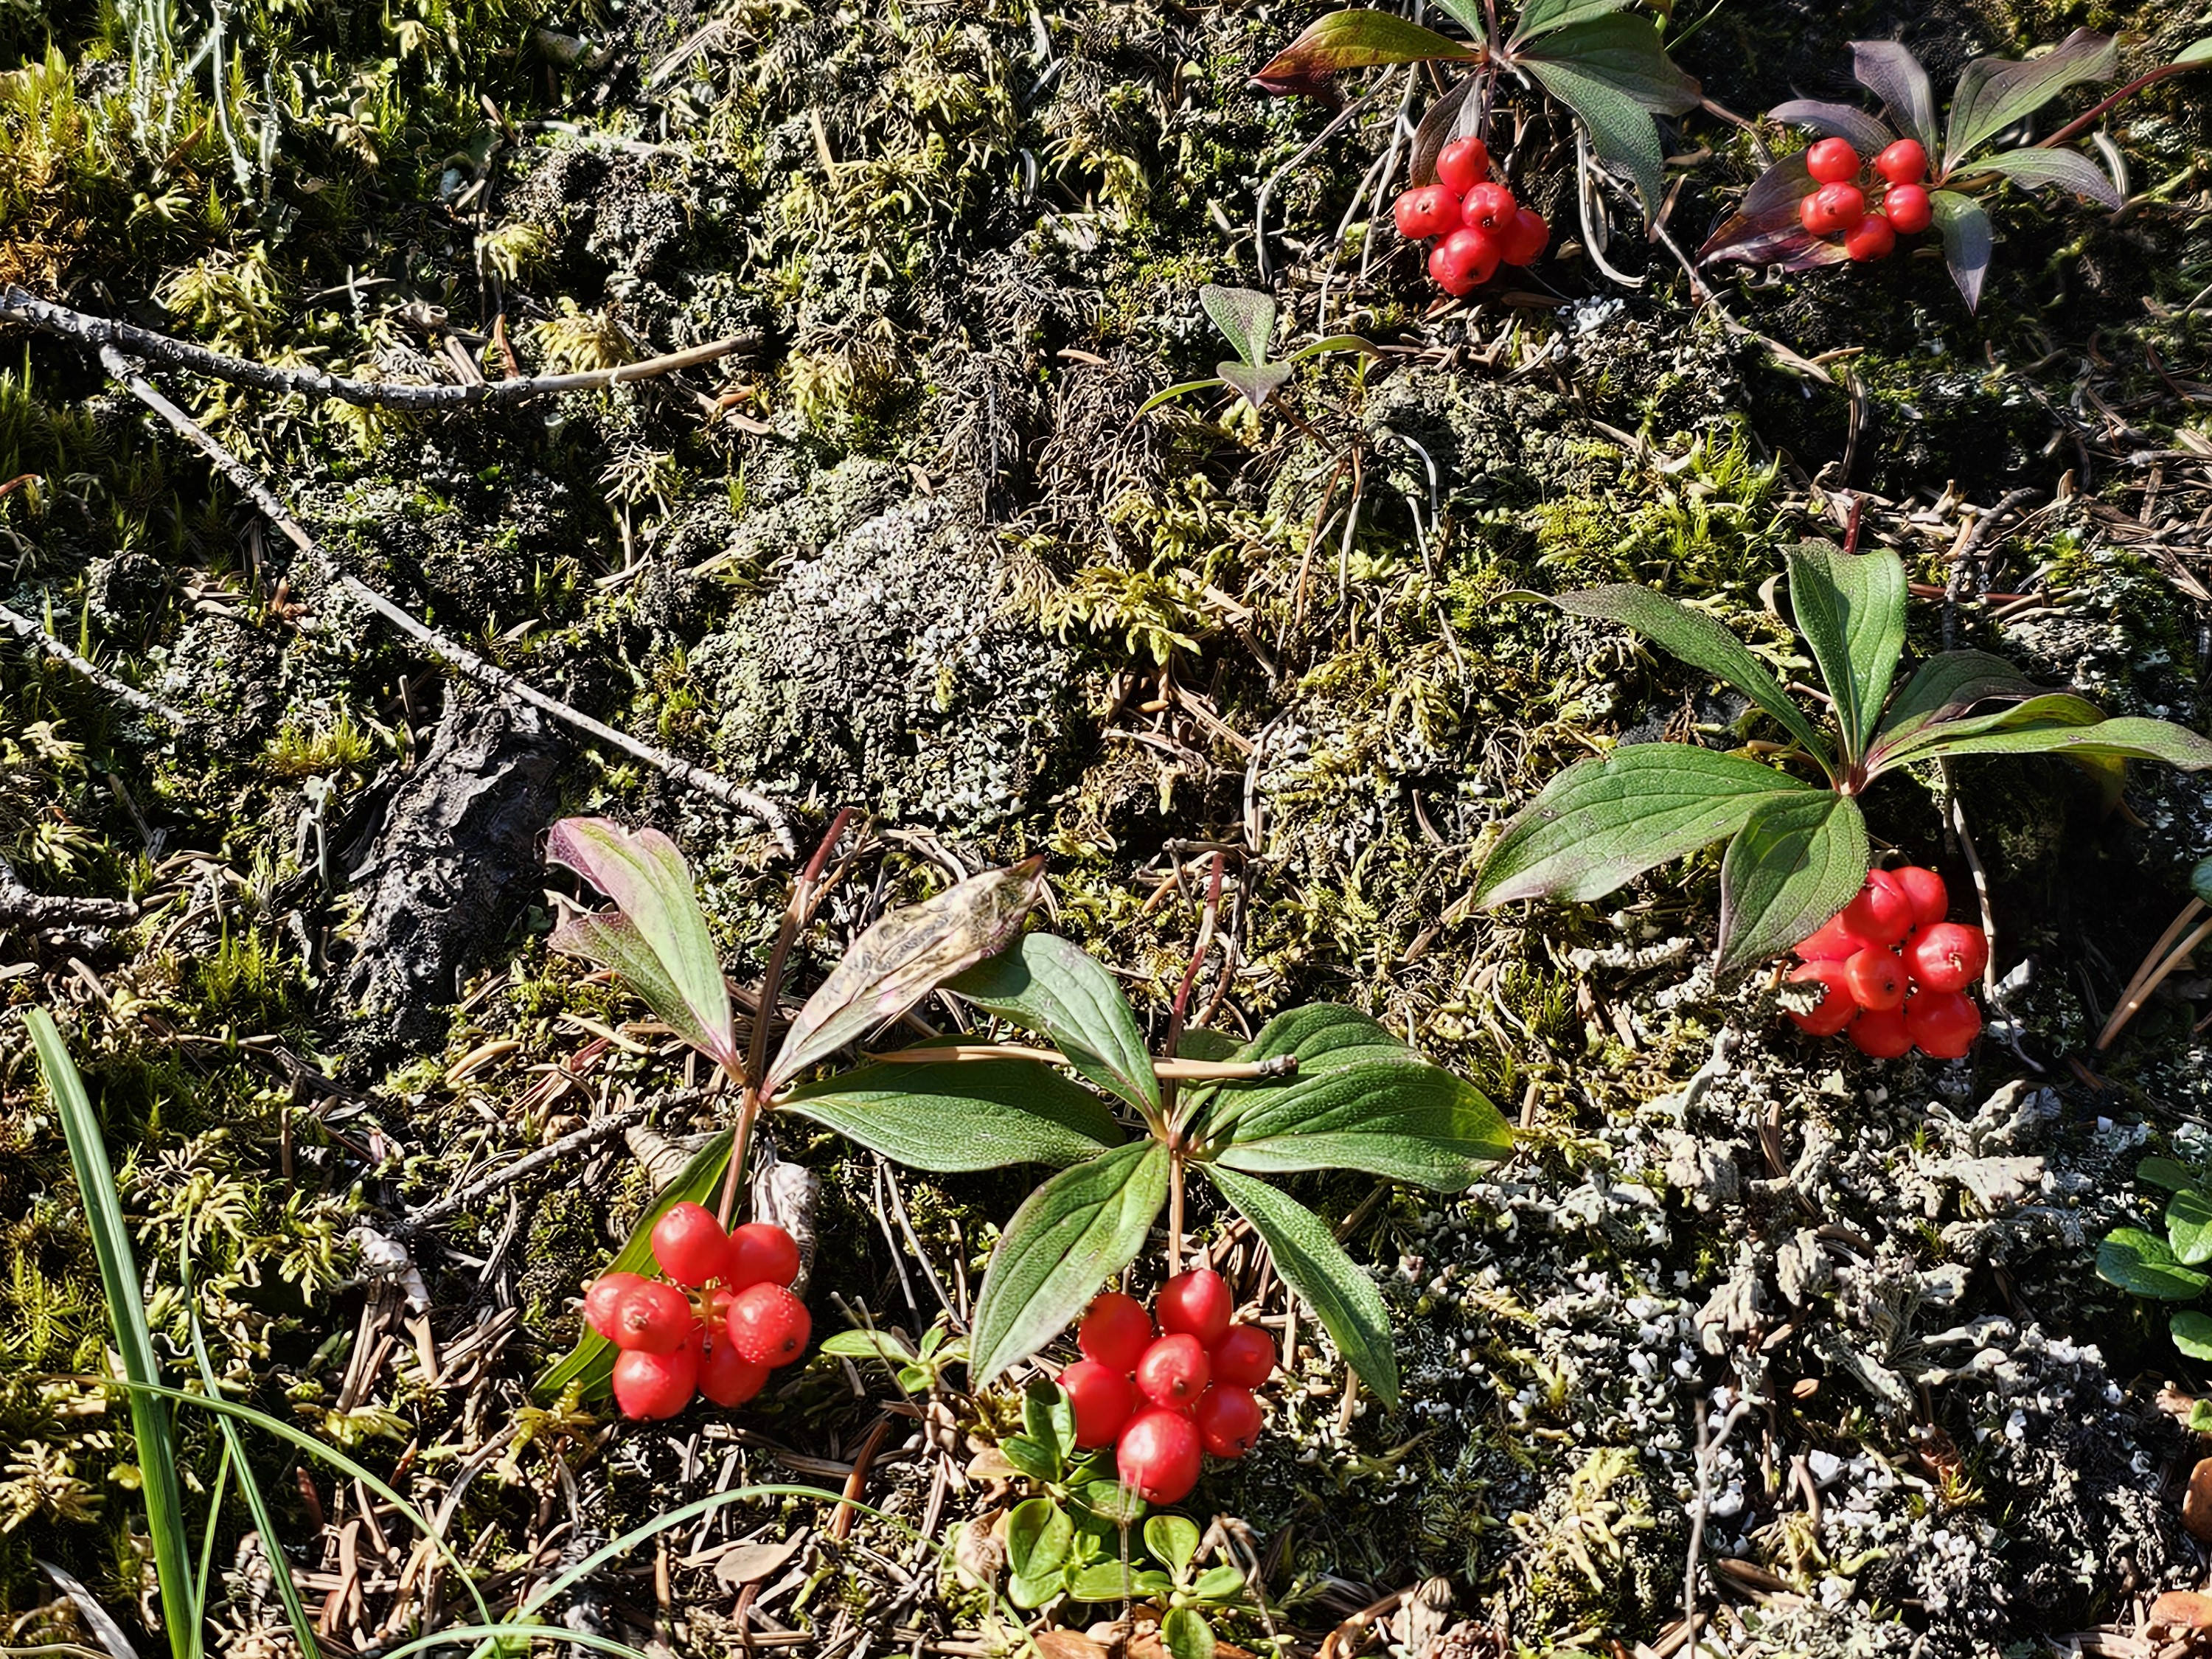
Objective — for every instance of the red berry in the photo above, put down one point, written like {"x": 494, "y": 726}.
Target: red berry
{"x": 1903, "y": 163}
{"x": 691, "y": 1245}
{"x": 607, "y": 1294}
{"x": 1175, "y": 1371}
{"x": 765, "y": 1253}
{"x": 1462, "y": 260}
{"x": 1523, "y": 237}
{"x": 1943, "y": 1023}
{"x": 1830, "y": 942}
{"x": 1102, "y": 1400}
{"x": 1832, "y": 209}
{"x": 1197, "y": 1302}
{"x": 1908, "y": 209}
{"x": 1115, "y": 1332}
{"x": 1875, "y": 978}
{"x": 1881, "y": 913}
{"x": 1158, "y": 1456}
{"x": 1431, "y": 211}
{"x": 1925, "y": 890}
{"x": 1948, "y": 956}
{"x": 1832, "y": 161}
{"x": 1228, "y": 1420}
{"x": 769, "y": 1325}
{"x": 1463, "y": 164}
{"x": 1881, "y": 1033}
{"x": 651, "y": 1318}
{"x": 1488, "y": 207}
{"x": 651, "y": 1385}
{"x": 1872, "y": 238}
{"x": 728, "y": 1377}
{"x": 1837, "y": 1007}
{"x": 1245, "y": 1356}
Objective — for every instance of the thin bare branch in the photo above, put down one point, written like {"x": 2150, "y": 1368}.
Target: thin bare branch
{"x": 130, "y": 696}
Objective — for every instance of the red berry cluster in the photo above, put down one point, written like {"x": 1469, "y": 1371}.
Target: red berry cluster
{"x": 1838, "y": 207}
{"x": 732, "y": 1322}
{"x": 1161, "y": 1399}
{"x": 1479, "y": 224}
{"x": 1893, "y": 972}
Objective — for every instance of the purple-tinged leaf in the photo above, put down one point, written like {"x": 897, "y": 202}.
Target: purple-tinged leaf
{"x": 655, "y": 938}
{"x": 1245, "y": 317}
{"x": 2048, "y": 708}
{"x": 1867, "y": 135}
{"x": 1254, "y": 383}
{"x": 2069, "y": 169}
{"x": 1945, "y": 687}
{"x": 1542, "y": 17}
{"x": 1453, "y": 116}
{"x": 1967, "y": 238}
{"x": 1797, "y": 861}
{"x": 2125, "y": 737}
{"x": 1993, "y": 92}
{"x": 1623, "y": 54}
{"x": 1893, "y": 75}
{"x": 1764, "y": 229}
{"x": 1358, "y": 39}
{"x": 905, "y": 956}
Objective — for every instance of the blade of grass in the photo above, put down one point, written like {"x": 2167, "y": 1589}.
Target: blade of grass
{"x": 153, "y": 1442}
{"x": 207, "y": 1545}
{"x": 233, "y": 1447}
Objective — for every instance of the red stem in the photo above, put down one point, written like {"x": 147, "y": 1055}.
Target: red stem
{"x": 2081, "y": 124}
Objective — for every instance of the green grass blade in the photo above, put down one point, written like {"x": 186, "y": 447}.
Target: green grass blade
{"x": 303, "y": 1628}
{"x": 154, "y": 1442}
{"x": 207, "y": 1545}
{"x": 503, "y": 1634}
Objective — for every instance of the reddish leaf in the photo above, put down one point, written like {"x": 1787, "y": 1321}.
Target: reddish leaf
{"x": 1867, "y": 135}
{"x": 1358, "y": 39}
{"x": 1764, "y": 229}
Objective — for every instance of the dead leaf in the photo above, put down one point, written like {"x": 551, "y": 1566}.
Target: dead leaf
{"x": 748, "y": 1564}
{"x": 1068, "y": 1644}
{"x": 2196, "y": 1502}
{"x": 2182, "y": 1610}
{"x": 977, "y": 1554}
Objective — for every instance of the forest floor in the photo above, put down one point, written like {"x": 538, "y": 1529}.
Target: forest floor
{"x": 911, "y": 547}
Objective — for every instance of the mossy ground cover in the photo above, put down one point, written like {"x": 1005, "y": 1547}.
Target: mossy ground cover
{"x": 913, "y": 549}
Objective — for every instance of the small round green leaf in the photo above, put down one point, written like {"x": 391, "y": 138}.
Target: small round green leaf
{"x": 2193, "y": 1333}
{"x": 2188, "y": 1226}
{"x": 2142, "y": 1264}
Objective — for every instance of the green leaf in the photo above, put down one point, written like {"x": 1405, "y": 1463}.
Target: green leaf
{"x": 152, "y": 1433}
{"x": 2125, "y": 737}
{"x": 1034, "y": 1458}
{"x": 591, "y": 1363}
{"x": 1108, "y": 1502}
{"x": 1038, "y": 1537}
{"x": 2192, "y": 1334}
{"x": 1358, "y": 39}
{"x": 1467, "y": 14}
{"x": 960, "y": 1114}
{"x": 1313, "y": 1264}
{"x": 1070, "y": 1235}
{"x": 1049, "y": 1416}
{"x": 2188, "y": 1226}
{"x": 2196, "y": 52}
{"x": 902, "y": 958}
{"x": 655, "y": 938}
{"x": 1174, "y": 392}
{"x": 1335, "y": 342}
{"x": 2167, "y": 1173}
{"x": 1541, "y": 17}
{"x": 2069, "y": 169}
{"x": 2200, "y": 1417}
{"x": 2142, "y": 1264}
{"x": 1358, "y": 1100}
{"x": 1029, "y": 1594}
{"x": 1605, "y": 821}
{"x": 1947, "y": 685}
{"x": 1994, "y": 93}
{"x": 1245, "y": 317}
{"x": 2045, "y": 709}
{"x": 1792, "y": 867}
{"x": 1173, "y": 1540}
{"x": 1219, "y": 1584}
{"x": 1894, "y": 76}
{"x": 1254, "y": 385}
{"x": 1967, "y": 238}
{"x": 1187, "y": 1634}
{"x": 870, "y": 1345}
{"x": 1621, "y": 131}
{"x": 1115, "y": 1581}
{"x": 1850, "y": 609}
{"x": 1701, "y": 640}
{"x": 2200, "y": 881}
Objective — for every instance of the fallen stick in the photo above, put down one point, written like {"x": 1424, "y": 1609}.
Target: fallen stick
{"x": 128, "y": 695}
{"x": 462, "y": 659}
{"x": 20, "y": 305}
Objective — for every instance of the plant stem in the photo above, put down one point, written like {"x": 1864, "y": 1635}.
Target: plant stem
{"x": 2156, "y": 968}
{"x": 1182, "y": 1009}
{"x": 1180, "y": 1070}
{"x": 806, "y": 893}
{"x": 2082, "y": 123}
{"x": 1175, "y": 1211}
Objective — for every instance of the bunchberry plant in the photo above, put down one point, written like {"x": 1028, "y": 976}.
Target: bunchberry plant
{"x": 1599, "y": 59}
{"x": 1868, "y": 181}
{"x": 1891, "y": 972}
{"x": 1797, "y": 850}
